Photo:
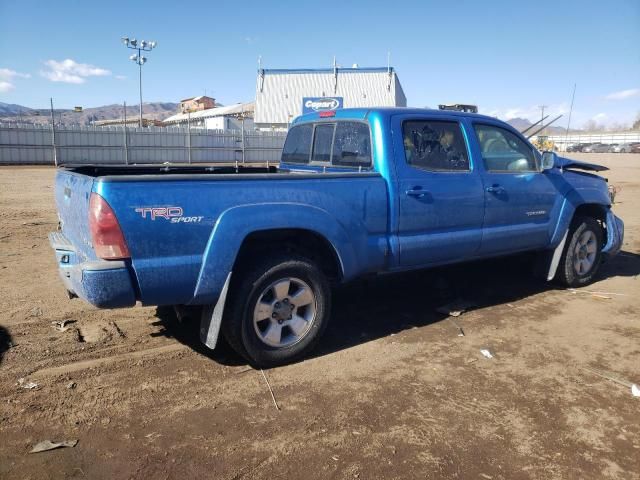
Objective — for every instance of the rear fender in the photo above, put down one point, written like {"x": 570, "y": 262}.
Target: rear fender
{"x": 235, "y": 224}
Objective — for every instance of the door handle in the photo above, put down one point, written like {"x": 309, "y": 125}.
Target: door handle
{"x": 416, "y": 192}
{"x": 495, "y": 189}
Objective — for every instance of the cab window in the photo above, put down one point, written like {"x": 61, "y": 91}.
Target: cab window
{"x": 297, "y": 146}
{"x": 352, "y": 145}
{"x": 322, "y": 141}
{"x": 435, "y": 146}
{"x": 503, "y": 151}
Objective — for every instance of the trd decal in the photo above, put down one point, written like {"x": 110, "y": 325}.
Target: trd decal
{"x": 173, "y": 214}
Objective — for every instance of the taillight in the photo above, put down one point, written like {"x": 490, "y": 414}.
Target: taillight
{"x": 108, "y": 241}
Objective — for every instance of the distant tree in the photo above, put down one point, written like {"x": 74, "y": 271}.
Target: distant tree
{"x": 636, "y": 124}
{"x": 591, "y": 126}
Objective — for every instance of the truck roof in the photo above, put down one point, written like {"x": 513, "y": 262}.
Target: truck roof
{"x": 362, "y": 113}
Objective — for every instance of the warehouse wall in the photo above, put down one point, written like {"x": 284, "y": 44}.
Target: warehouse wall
{"x": 33, "y": 144}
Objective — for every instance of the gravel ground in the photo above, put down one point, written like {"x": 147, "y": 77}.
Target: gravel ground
{"x": 393, "y": 391}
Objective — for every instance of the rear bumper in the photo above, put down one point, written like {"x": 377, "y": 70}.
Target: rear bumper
{"x": 615, "y": 235}
{"x": 105, "y": 284}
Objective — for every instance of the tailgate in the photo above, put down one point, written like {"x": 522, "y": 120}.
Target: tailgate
{"x": 72, "y": 201}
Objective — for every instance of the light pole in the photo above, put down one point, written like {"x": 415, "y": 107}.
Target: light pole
{"x": 140, "y": 46}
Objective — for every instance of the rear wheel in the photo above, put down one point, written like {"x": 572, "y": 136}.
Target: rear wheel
{"x": 278, "y": 311}
{"x": 582, "y": 253}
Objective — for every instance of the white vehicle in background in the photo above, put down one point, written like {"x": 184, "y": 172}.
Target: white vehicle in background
{"x": 622, "y": 148}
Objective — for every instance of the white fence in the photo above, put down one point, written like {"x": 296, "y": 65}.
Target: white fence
{"x": 35, "y": 144}
{"x": 609, "y": 138}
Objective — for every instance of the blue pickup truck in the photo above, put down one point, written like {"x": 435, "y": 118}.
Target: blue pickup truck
{"x": 358, "y": 191}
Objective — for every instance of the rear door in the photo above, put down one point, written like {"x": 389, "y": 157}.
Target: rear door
{"x": 441, "y": 198}
{"x": 519, "y": 198}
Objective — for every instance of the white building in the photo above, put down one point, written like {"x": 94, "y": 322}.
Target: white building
{"x": 282, "y": 95}
{"x": 219, "y": 118}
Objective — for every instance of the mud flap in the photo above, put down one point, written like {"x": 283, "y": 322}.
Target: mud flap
{"x": 212, "y": 318}
{"x": 555, "y": 259}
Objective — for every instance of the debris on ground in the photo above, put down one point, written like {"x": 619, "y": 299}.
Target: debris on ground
{"x": 635, "y": 390}
{"x": 458, "y": 327}
{"x": 486, "y": 353}
{"x": 603, "y": 295}
{"x": 455, "y": 308}
{"x": 273, "y": 397}
{"x": 71, "y": 385}
{"x": 47, "y": 445}
{"x": 613, "y": 192}
{"x": 27, "y": 385}
{"x": 61, "y": 325}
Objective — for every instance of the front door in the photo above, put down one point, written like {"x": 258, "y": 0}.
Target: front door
{"x": 519, "y": 198}
{"x": 441, "y": 198}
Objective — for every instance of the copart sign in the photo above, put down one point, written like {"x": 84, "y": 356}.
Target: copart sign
{"x": 319, "y": 104}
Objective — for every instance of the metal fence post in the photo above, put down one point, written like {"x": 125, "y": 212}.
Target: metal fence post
{"x": 124, "y": 130}
{"x": 53, "y": 135}
{"x": 189, "y": 134}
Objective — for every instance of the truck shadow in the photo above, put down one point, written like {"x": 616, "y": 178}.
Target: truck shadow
{"x": 5, "y": 342}
{"x": 374, "y": 308}
{"x": 369, "y": 310}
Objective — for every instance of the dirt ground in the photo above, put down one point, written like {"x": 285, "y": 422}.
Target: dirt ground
{"x": 393, "y": 391}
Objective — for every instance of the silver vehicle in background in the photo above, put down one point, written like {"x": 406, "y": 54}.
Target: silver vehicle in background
{"x": 622, "y": 148}
{"x": 591, "y": 148}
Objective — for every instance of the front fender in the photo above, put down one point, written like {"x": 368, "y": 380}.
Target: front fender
{"x": 574, "y": 199}
{"x": 236, "y": 223}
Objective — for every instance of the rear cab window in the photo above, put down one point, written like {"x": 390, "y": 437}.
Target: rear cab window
{"x": 330, "y": 144}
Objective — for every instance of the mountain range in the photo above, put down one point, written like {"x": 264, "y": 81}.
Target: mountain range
{"x": 152, "y": 110}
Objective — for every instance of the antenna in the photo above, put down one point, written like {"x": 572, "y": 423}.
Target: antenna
{"x": 260, "y": 74}
{"x": 389, "y": 69}
{"x": 573, "y": 96}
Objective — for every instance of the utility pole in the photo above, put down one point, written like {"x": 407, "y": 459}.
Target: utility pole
{"x": 139, "y": 59}
{"x": 542, "y": 107}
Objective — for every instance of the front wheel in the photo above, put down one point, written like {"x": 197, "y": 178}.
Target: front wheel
{"x": 582, "y": 253}
{"x": 278, "y": 311}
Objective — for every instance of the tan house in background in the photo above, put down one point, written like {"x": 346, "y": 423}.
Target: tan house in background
{"x": 197, "y": 104}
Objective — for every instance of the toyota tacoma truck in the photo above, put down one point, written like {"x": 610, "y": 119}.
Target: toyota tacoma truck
{"x": 358, "y": 191}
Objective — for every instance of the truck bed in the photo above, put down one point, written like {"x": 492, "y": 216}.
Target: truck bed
{"x": 92, "y": 170}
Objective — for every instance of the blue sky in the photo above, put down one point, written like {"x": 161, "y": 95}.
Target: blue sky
{"x": 508, "y": 57}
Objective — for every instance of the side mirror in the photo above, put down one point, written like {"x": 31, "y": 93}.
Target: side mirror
{"x": 548, "y": 160}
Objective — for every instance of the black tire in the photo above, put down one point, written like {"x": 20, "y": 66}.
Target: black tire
{"x": 238, "y": 323}
{"x": 568, "y": 273}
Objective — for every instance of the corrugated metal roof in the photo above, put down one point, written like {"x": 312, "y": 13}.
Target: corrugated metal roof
{"x": 279, "y": 93}
{"x": 236, "y": 109}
